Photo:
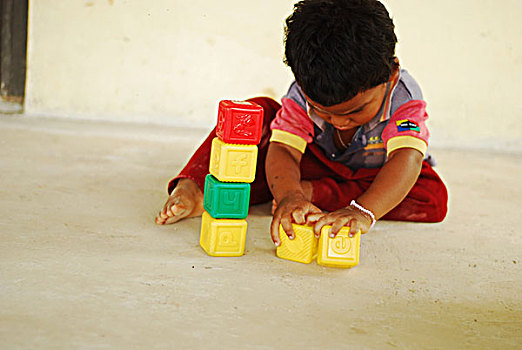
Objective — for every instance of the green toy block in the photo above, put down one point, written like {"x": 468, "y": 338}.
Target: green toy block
{"x": 226, "y": 200}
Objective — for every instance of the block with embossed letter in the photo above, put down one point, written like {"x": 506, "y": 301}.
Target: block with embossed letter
{"x": 239, "y": 122}
{"x": 226, "y": 200}
{"x": 303, "y": 248}
{"x": 233, "y": 163}
{"x": 223, "y": 237}
{"x": 341, "y": 251}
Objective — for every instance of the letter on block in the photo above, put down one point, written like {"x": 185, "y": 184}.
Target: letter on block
{"x": 233, "y": 163}
{"x": 226, "y": 200}
{"x": 303, "y": 248}
{"x": 239, "y": 122}
{"x": 341, "y": 251}
{"x": 222, "y": 237}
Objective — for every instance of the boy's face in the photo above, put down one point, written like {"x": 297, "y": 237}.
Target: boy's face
{"x": 353, "y": 113}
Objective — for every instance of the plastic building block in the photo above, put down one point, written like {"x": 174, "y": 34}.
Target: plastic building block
{"x": 341, "y": 251}
{"x": 233, "y": 163}
{"x": 223, "y": 237}
{"x": 239, "y": 122}
{"x": 303, "y": 248}
{"x": 226, "y": 200}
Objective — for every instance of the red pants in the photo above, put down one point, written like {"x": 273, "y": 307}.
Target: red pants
{"x": 334, "y": 184}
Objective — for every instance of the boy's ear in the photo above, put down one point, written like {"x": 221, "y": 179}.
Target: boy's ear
{"x": 396, "y": 69}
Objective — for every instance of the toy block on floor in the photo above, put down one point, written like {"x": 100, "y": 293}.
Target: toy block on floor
{"x": 239, "y": 122}
{"x": 226, "y": 200}
{"x": 223, "y": 237}
{"x": 341, "y": 251}
{"x": 303, "y": 248}
{"x": 233, "y": 163}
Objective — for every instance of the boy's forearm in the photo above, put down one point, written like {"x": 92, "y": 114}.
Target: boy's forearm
{"x": 283, "y": 171}
{"x": 393, "y": 182}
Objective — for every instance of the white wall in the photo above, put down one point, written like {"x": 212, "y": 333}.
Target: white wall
{"x": 171, "y": 61}
{"x": 162, "y": 61}
{"x": 467, "y": 55}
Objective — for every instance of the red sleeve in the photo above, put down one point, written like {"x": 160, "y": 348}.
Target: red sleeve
{"x": 407, "y": 128}
{"x": 293, "y": 119}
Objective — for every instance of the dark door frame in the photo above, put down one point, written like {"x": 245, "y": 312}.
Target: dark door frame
{"x": 13, "y": 49}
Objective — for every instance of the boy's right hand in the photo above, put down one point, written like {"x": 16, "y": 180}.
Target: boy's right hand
{"x": 293, "y": 208}
{"x": 186, "y": 200}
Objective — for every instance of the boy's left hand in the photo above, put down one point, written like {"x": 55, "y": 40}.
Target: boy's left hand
{"x": 348, "y": 216}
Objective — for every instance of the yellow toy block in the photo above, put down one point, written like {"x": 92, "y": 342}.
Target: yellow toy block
{"x": 233, "y": 163}
{"x": 222, "y": 237}
{"x": 341, "y": 251}
{"x": 303, "y": 248}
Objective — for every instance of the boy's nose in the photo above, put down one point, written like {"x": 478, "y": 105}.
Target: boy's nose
{"x": 337, "y": 120}
{"x": 327, "y": 116}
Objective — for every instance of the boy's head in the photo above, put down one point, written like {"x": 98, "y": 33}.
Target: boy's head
{"x": 339, "y": 48}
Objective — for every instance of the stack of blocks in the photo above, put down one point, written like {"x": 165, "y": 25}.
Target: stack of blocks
{"x": 232, "y": 168}
{"x": 341, "y": 251}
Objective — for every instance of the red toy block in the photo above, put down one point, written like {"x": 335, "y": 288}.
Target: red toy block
{"x": 239, "y": 122}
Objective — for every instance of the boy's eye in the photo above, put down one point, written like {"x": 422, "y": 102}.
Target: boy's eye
{"x": 359, "y": 110}
{"x": 318, "y": 112}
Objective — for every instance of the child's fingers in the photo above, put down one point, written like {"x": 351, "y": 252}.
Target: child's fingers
{"x": 313, "y": 217}
{"x": 274, "y": 206}
{"x": 286, "y": 224}
{"x": 302, "y": 215}
{"x": 319, "y": 225}
{"x": 356, "y": 226}
{"x": 274, "y": 231}
{"x": 299, "y": 216}
{"x": 338, "y": 225}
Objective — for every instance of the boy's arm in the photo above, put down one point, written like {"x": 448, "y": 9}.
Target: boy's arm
{"x": 393, "y": 182}
{"x": 284, "y": 178}
{"x": 391, "y": 185}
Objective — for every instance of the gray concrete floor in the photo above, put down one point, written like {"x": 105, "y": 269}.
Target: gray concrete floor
{"x": 83, "y": 266}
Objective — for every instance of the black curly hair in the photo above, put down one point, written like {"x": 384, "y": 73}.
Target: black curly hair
{"x": 338, "y": 48}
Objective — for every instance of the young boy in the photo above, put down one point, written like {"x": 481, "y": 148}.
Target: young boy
{"x": 350, "y": 137}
